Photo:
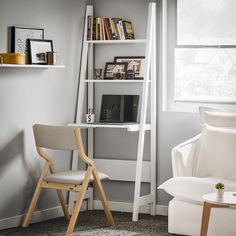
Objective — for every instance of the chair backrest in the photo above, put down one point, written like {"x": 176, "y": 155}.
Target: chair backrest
{"x": 55, "y": 137}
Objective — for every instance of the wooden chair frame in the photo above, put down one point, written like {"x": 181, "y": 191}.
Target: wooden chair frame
{"x": 81, "y": 188}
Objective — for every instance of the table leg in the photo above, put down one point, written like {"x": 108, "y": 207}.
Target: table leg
{"x": 206, "y": 216}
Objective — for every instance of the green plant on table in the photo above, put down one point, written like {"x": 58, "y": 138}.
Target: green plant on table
{"x": 219, "y": 186}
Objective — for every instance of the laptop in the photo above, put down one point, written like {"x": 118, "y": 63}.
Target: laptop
{"x": 119, "y": 109}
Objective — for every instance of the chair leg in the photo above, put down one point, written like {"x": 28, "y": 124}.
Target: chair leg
{"x": 35, "y": 197}
{"x": 79, "y": 202}
{"x": 103, "y": 198}
{"x": 60, "y": 196}
{"x": 63, "y": 204}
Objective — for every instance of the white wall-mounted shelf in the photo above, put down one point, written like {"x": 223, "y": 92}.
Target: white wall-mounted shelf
{"x": 130, "y": 127}
{"x": 132, "y": 41}
{"x": 114, "y": 81}
{"x": 31, "y": 66}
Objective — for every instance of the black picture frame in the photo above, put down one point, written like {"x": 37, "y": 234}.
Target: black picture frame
{"x": 38, "y": 50}
{"x": 19, "y": 36}
{"x": 115, "y": 70}
{"x": 140, "y": 60}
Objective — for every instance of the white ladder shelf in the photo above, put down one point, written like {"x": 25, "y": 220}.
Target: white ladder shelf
{"x": 144, "y": 171}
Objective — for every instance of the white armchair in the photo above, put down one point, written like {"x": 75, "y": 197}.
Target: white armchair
{"x": 198, "y": 164}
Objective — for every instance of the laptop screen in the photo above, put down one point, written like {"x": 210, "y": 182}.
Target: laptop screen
{"x": 119, "y": 108}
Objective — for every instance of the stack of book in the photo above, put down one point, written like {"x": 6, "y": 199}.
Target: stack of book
{"x": 109, "y": 29}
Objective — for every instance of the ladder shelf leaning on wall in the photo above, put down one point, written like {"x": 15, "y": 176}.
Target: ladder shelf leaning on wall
{"x": 138, "y": 170}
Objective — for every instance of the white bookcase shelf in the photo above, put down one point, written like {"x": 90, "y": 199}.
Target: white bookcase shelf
{"x": 148, "y": 90}
{"x": 127, "y": 41}
{"x": 130, "y": 127}
{"x": 31, "y": 66}
{"x": 115, "y": 81}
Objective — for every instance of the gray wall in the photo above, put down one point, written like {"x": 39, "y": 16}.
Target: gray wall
{"x": 48, "y": 96}
{"x": 28, "y": 96}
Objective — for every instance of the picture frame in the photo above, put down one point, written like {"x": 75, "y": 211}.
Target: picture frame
{"x": 135, "y": 63}
{"x": 114, "y": 70}
{"x": 38, "y": 50}
{"x": 19, "y": 36}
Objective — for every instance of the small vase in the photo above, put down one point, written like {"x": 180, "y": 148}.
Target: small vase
{"x": 219, "y": 193}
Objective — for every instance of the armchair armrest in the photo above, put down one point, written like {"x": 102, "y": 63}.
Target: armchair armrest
{"x": 183, "y": 157}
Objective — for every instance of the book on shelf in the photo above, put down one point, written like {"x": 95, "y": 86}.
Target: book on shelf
{"x": 109, "y": 29}
{"x": 128, "y": 29}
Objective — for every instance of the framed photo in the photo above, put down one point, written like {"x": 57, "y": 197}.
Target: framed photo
{"x": 134, "y": 63}
{"x": 115, "y": 70}
{"x": 19, "y": 36}
{"x": 38, "y": 50}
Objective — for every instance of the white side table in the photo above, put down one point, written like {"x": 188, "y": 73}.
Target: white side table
{"x": 212, "y": 201}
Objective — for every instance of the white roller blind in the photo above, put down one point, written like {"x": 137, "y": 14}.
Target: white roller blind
{"x": 206, "y": 22}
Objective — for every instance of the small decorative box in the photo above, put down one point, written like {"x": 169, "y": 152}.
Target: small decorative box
{"x": 12, "y": 58}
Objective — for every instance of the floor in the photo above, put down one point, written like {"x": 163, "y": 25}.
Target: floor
{"x": 91, "y": 223}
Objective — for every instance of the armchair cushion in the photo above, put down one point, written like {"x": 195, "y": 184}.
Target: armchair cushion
{"x": 217, "y": 153}
{"x": 193, "y": 188}
{"x": 218, "y": 118}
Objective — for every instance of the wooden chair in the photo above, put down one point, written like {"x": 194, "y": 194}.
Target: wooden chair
{"x": 66, "y": 138}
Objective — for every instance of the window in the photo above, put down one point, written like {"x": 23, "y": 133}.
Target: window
{"x": 201, "y": 50}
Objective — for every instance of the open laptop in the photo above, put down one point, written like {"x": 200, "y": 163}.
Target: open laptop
{"x": 119, "y": 109}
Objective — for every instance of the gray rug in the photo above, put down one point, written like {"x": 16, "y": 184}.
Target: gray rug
{"x": 91, "y": 223}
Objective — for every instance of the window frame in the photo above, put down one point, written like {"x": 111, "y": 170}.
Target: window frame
{"x": 168, "y": 45}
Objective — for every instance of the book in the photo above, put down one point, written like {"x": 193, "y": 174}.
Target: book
{"x": 116, "y": 21}
{"x": 128, "y": 29}
{"x": 107, "y": 29}
{"x": 112, "y": 29}
{"x": 90, "y": 28}
{"x": 103, "y": 29}
{"x": 100, "y": 29}
{"x": 97, "y": 29}
{"x": 94, "y": 29}
{"x": 114, "y": 26}
{"x": 121, "y": 30}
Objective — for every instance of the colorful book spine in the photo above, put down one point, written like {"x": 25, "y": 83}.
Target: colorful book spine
{"x": 115, "y": 28}
{"x": 112, "y": 29}
{"x": 97, "y": 29}
{"x": 103, "y": 30}
{"x": 90, "y": 28}
{"x": 128, "y": 30}
{"x": 100, "y": 29}
{"x": 121, "y": 30}
{"x": 109, "y": 29}
{"x": 106, "y": 29}
{"x": 94, "y": 29}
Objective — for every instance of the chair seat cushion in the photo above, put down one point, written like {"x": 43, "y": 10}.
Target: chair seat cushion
{"x": 193, "y": 188}
{"x": 72, "y": 177}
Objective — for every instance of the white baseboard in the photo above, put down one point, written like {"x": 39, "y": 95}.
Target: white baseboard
{"x": 55, "y": 212}
{"x": 128, "y": 207}
{"x": 38, "y": 216}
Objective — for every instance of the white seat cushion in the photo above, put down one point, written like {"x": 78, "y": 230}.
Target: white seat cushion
{"x": 193, "y": 188}
{"x": 217, "y": 153}
{"x": 72, "y": 177}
